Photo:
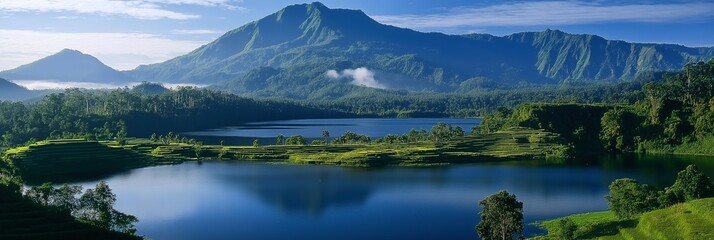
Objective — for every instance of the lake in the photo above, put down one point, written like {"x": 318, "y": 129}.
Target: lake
{"x": 235, "y": 200}
{"x": 266, "y": 132}
{"x": 241, "y": 200}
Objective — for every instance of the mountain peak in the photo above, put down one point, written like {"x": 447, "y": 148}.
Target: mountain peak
{"x": 67, "y": 65}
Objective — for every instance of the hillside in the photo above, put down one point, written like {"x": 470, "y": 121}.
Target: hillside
{"x": 67, "y": 65}
{"x": 11, "y": 91}
{"x": 690, "y": 220}
{"x": 288, "y": 53}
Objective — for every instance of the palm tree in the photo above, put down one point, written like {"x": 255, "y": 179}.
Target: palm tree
{"x": 325, "y": 135}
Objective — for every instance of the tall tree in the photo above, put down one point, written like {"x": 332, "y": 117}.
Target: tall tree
{"x": 501, "y": 217}
{"x": 325, "y": 135}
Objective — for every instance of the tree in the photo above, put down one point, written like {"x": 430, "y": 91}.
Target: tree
{"x": 154, "y": 138}
{"x": 440, "y": 132}
{"x": 198, "y": 149}
{"x": 256, "y": 143}
{"x": 325, "y": 135}
{"x": 691, "y": 184}
{"x": 280, "y": 140}
{"x": 567, "y": 228}
{"x": 618, "y": 129}
{"x": 295, "y": 140}
{"x": 97, "y": 208}
{"x": 501, "y": 217}
{"x": 65, "y": 198}
{"x": 41, "y": 194}
{"x": 628, "y": 198}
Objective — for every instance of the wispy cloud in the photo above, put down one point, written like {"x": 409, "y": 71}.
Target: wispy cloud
{"x": 195, "y": 32}
{"x": 141, "y": 9}
{"x": 551, "y": 13}
{"x": 119, "y": 50}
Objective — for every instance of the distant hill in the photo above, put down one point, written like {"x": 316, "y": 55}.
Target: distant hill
{"x": 149, "y": 88}
{"x": 288, "y": 54}
{"x": 67, "y": 65}
{"x": 11, "y": 91}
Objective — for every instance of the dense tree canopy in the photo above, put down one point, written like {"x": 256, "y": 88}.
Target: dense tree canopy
{"x": 501, "y": 217}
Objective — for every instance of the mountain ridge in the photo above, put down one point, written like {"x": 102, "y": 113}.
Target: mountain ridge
{"x": 299, "y": 43}
{"x": 67, "y": 65}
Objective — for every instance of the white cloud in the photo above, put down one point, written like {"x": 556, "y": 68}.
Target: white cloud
{"x": 141, "y": 9}
{"x": 119, "y": 50}
{"x": 360, "y": 77}
{"x": 332, "y": 74}
{"x": 195, "y": 31}
{"x": 551, "y": 13}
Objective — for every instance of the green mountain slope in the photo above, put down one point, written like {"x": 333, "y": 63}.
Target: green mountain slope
{"x": 288, "y": 53}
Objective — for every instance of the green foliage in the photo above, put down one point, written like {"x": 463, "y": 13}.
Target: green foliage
{"x": 566, "y": 229}
{"x": 501, "y": 217}
{"x": 350, "y": 137}
{"x": 628, "y": 198}
{"x": 116, "y": 114}
{"x": 691, "y": 184}
{"x": 619, "y": 128}
{"x": 95, "y": 206}
{"x": 690, "y": 220}
{"x": 256, "y": 143}
{"x": 280, "y": 140}
{"x": 443, "y": 132}
{"x": 325, "y": 136}
{"x": 198, "y": 150}
{"x": 295, "y": 140}
{"x": 97, "y": 209}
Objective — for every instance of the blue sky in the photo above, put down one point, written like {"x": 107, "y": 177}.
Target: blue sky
{"x": 127, "y": 33}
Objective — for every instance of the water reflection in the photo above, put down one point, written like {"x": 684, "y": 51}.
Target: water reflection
{"x": 311, "y": 129}
{"x": 228, "y": 200}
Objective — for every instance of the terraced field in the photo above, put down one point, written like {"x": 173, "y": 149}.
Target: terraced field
{"x": 56, "y": 158}
{"x": 22, "y": 219}
{"x": 512, "y": 144}
{"x": 691, "y": 220}
{"x": 59, "y": 159}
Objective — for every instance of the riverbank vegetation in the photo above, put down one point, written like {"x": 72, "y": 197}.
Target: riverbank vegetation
{"x": 674, "y": 116}
{"x": 45, "y": 212}
{"x": 443, "y": 144}
{"x": 640, "y": 211}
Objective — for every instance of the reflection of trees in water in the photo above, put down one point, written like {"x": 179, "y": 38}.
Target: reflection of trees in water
{"x": 312, "y": 190}
{"x": 302, "y": 190}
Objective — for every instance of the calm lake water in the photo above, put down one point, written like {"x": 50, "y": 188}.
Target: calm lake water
{"x": 266, "y": 132}
{"x": 239, "y": 200}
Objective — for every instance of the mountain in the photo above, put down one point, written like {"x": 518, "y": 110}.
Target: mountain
{"x": 67, "y": 65}
{"x": 291, "y": 54}
{"x": 10, "y": 91}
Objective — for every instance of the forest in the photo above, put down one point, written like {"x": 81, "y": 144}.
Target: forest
{"x": 127, "y": 112}
{"x": 674, "y": 115}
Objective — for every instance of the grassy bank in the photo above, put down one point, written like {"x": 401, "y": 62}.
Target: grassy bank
{"x": 690, "y": 220}
{"x": 46, "y": 159}
{"x": 511, "y": 144}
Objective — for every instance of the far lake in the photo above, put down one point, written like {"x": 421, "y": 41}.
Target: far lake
{"x": 266, "y": 132}
{"x": 242, "y": 200}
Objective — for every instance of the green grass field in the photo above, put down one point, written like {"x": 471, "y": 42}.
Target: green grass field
{"x": 692, "y": 220}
